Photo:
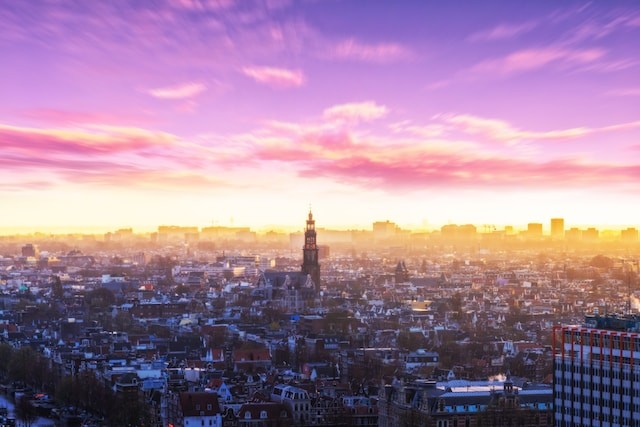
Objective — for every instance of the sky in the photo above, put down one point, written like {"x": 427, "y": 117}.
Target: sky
{"x": 247, "y": 113}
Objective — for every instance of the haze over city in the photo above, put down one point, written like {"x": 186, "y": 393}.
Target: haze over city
{"x": 220, "y": 112}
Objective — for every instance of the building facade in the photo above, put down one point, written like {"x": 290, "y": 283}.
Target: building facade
{"x": 557, "y": 228}
{"x": 596, "y": 372}
{"x": 461, "y": 403}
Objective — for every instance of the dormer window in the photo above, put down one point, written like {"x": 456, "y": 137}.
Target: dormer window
{"x": 263, "y": 415}
{"x": 209, "y": 407}
{"x": 247, "y": 415}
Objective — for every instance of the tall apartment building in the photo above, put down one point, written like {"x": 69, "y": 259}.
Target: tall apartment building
{"x": 534, "y": 230}
{"x": 597, "y": 372}
{"x": 557, "y": 228}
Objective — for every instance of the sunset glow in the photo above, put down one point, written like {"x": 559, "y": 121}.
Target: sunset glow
{"x": 193, "y": 112}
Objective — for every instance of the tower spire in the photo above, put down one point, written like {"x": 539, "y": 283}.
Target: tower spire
{"x": 310, "y": 265}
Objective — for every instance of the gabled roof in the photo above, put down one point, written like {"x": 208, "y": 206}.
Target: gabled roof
{"x": 199, "y": 404}
{"x": 251, "y": 355}
{"x": 274, "y": 411}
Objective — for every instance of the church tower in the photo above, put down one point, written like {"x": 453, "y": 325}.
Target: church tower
{"x": 310, "y": 264}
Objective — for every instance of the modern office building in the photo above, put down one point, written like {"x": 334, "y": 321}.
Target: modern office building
{"x": 597, "y": 372}
{"x": 557, "y": 228}
{"x": 629, "y": 235}
{"x": 534, "y": 230}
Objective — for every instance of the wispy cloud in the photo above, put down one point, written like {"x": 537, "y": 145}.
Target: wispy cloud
{"x": 370, "y": 52}
{"x": 437, "y": 154}
{"x": 355, "y": 112}
{"x": 503, "y": 31}
{"x": 601, "y": 26}
{"x": 203, "y": 5}
{"x": 92, "y": 140}
{"x": 97, "y": 154}
{"x": 180, "y": 91}
{"x": 502, "y": 131}
{"x": 631, "y": 91}
{"x": 410, "y": 164}
{"x": 71, "y": 117}
{"x": 275, "y": 77}
{"x": 433, "y": 130}
{"x": 532, "y": 59}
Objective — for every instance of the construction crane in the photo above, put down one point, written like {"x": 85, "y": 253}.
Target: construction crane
{"x": 488, "y": 228}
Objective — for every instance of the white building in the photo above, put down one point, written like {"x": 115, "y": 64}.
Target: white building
{"x": 597, "y": 372}
{"x": 198, "y": 409}
{"x": 296, "y": 399}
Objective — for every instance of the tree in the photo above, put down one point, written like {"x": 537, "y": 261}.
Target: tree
{"x": 129, "y": 412}
{"x": 6, "y": 354}
{"x": 21, "y": 365}
{"x": 65, "y": 391}
{"x": 25, "y": 411}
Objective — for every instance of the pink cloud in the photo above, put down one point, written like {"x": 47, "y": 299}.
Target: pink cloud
{"x": 418, "y": 164}
{"x": 179, "y": 91}
{"x": 424, "y": 170}
{"x": 25, "y": 185}
{"x": 81, "y": 141}
{"x": 532, "y": 59}
{"x": 355, "y": 112}
{"x": 114, "y": 156}
{"x": 502, "y": 131}
{"x": 71, "y": 117}
{"x": 503, "y": 31}
{"x": 203, "y": 5}
{"x": 632, "y": 91}
{"x": 370, "y": 52}
{"x": 275, "y": 77}
{"x": 434, "y": 130}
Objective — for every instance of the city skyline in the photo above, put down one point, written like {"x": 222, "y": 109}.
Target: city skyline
{"x": 193, "y": 112}
{"x": 531, "y": 228}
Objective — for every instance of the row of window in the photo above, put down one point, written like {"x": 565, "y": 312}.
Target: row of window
{"x": 604, "y": 388}
{"x": 596, "y": 403}
{"x": 595, "y": 367}
{"x": 601, "y": 340}
{"x": 625, "y": 422}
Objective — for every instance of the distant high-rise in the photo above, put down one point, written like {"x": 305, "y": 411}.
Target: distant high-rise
{"x": 534, "y": 230}
{"x": 629, "y": 235}
{"x": 310, "y": 265}
{"x": 590, "y": 233}
{"x": 557, "y": 228}
{"x": 384, "y": 229}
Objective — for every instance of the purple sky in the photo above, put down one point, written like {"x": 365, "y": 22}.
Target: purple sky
{"x": 245, "y": 112}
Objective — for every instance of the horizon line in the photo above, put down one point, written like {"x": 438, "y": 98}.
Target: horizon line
{"x": 481, "y": 228}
